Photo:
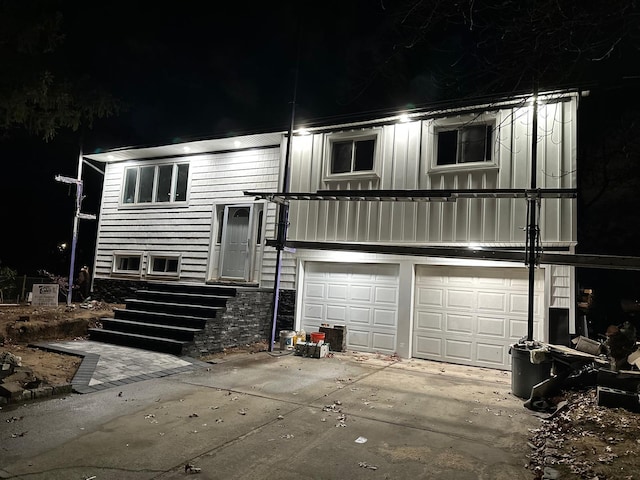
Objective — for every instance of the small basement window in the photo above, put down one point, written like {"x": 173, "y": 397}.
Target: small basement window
{"x": 466, "y": 144}
{"x": 127, "y": 263}
{"x": 164, "y": 265}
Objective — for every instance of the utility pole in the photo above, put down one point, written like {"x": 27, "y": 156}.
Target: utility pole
{"x": 283, "y": 219}
{"x": 532, "y": 224}
{"x": 283, "y": 212}
{"x": 77, "y": 216}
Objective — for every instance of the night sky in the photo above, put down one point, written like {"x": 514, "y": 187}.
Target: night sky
{"x": 192, "y": 70}
{"x": 181, "y": 73}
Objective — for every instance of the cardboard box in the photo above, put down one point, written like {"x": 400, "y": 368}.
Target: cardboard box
{"x": 587, "y": 345}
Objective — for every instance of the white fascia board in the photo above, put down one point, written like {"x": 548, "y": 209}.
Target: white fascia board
{"x": 185, "y": 149}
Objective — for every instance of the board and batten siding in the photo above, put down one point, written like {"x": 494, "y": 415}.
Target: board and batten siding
{"x": 406, "y": 158}
{"x": 214, "y": 178}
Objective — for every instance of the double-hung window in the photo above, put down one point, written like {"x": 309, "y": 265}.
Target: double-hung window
{"x": 465, "y": 144}
{"x": 165, "y": 183}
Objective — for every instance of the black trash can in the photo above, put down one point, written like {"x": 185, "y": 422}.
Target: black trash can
{"x": 524, "y": 374}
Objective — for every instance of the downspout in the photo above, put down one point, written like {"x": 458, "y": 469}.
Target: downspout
{"x": 283, "y": 215}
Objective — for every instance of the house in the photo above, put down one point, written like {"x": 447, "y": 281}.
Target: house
{"x": 410, "y": 229}
{"x": 174, "y": 216}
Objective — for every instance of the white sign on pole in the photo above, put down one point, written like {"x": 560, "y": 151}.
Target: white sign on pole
{"x": 45, "y": 295}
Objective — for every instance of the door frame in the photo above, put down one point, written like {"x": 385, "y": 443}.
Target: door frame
{"x": 255, "y": 250}
{"x": 248, "y": 263}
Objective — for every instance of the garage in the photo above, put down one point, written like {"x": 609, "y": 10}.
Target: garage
{"x": 361, "y": 296}
{"x": 471, "y": 315}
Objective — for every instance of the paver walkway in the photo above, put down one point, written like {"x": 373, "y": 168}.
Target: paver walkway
{"x": 105, "y": 365}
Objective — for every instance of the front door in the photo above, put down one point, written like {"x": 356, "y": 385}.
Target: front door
{"x": 234, "y": 256}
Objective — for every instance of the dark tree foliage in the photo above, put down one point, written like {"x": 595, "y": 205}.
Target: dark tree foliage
{"x": 609, "y": 174}
{"x": 40, "y": 89}
{"x": 445, "y": 49}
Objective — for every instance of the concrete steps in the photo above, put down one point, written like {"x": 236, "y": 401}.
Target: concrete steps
{"x": 145, "y": 342}
{"x": 164, "y": 317}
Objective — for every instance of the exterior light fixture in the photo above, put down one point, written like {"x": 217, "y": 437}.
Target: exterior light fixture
{"x": 186, "y": 149}
{"x": 404, "y": 118}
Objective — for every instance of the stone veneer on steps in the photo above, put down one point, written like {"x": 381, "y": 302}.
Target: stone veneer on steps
{"x": 246, "y": 318}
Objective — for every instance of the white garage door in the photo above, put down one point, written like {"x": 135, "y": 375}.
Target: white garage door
{"x": 363, "y": 297}
{"x": 470, "y": 315}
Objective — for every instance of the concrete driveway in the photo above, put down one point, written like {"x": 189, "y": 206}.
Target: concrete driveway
{"x": 353, "y": 416}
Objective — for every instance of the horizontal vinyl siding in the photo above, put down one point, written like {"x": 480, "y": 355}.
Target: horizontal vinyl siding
{"x": 406, "y": 152}
{"x": 184, "y": 230}
{"x": 560, "y": 288}
{"x": 287, "y": 270}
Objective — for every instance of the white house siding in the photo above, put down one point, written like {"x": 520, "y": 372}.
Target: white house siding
{"x": 287, "y": 270}
{"x": 405, "y": 158}
{"x": 215, "y": 178}
{"x": 561, "y": 281}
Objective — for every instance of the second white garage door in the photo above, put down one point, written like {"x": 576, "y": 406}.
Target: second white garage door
{"x": 363, "y": 297}
{"x": 471, "y": 315}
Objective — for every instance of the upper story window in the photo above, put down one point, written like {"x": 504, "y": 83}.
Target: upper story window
{"x": 166, "y": 183}
{"x": 351, "y": 154}
{"x": 465, "y": 144}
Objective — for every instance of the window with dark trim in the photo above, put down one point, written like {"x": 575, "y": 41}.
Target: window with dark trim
{"x": 165, "y": 183}
{"x": 467, "y": 144}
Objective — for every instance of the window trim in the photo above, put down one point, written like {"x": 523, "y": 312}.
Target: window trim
{"x": 115, "y": 262}
{"x": 336, "y": 137}
{"x": 138, "y": 166}
{"x": 434, "y": 127}
{"x": 152, "y": 256}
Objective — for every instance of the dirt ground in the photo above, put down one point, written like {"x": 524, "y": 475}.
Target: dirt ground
{"x": 586, "y": 441}
{"x": 580, "y": 441}
{"x": 23, "y": 325}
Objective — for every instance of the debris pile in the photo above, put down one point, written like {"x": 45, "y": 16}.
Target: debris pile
{"x": 586, "y": 441}
{"x": 620, "y": 344}
{"x": 611, "y": 366}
